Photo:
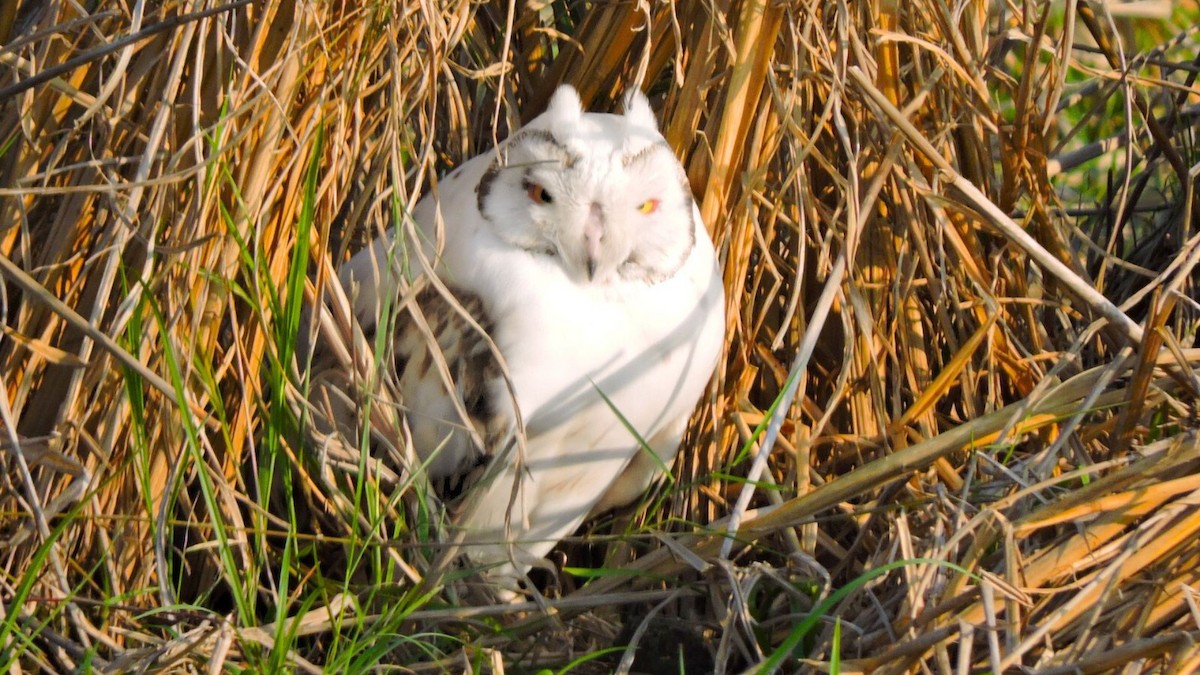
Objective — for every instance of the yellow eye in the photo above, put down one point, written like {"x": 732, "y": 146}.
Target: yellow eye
{"x": 649, "y": 206}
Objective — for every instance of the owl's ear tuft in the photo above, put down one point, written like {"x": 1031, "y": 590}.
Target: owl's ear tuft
{"x": 565, "y": 107}
{"x": 637, "y": 110}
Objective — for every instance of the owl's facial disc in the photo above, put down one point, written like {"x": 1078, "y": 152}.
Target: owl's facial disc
{"x": 549, "y": 199}
{"x": 577, "y": 233}
{"x": 603, "y": 198}
{"x": 593, "y": 229}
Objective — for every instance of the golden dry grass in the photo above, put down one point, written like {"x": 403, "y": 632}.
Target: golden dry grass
{"x": 972, "y": 240}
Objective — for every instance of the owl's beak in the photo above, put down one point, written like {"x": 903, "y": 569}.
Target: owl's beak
{"x": 593, "y": 238}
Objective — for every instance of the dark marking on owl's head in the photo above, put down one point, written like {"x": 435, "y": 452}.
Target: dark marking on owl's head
{"x": 689, "y": 203}
{"x": 485, "y": 184}
{"x": 568, "y": 158}
{"x": 543, "y": 135}
{"x": 630, "y": 159}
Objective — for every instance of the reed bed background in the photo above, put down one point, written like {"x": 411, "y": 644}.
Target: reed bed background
{"x": 964, "y": 234}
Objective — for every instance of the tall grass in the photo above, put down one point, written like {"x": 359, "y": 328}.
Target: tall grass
{"x": 965, "y": 235}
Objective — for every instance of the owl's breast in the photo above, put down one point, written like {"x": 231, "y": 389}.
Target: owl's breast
{"x": 578, "y": 354}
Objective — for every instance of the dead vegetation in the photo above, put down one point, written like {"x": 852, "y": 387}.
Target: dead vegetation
{"x": 969, "y": 231}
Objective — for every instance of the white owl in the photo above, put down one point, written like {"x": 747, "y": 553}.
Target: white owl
{"x": 577, "y": 247}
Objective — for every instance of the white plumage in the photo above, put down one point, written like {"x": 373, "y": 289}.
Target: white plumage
{"x": 577, "y": 246}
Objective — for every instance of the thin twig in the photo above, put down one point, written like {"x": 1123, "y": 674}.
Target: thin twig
{"x": 91, "y": 55}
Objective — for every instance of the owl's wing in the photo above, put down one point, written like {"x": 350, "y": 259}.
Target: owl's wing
{"x": 437, "y": 370}
{"x": 448, "y": 375}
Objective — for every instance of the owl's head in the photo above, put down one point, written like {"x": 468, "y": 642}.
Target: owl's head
{"x": 602, "y": 196}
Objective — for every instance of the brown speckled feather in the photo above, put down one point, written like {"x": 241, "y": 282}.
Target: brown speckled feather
{"x": 474, "y": 375}
{"x": 430, "y": 336}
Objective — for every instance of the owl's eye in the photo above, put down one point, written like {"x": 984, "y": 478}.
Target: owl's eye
{"x": 538, "y": 194}
{"x": 649, "y": 206}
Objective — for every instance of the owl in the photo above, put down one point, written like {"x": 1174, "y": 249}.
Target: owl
{"x": 567, "y": 317}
